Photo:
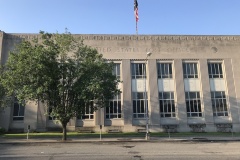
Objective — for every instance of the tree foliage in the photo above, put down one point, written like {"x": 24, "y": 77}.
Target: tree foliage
{"x": 61, "y": 72}
{"x": 5, "y": 99}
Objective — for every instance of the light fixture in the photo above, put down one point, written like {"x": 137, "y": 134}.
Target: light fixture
{"x": 149, "y": 54}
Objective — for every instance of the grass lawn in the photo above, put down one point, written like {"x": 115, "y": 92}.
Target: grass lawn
{"x": 93, "y": 135}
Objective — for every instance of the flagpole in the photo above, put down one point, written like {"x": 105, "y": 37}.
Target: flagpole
{"x": 136, "y": 28}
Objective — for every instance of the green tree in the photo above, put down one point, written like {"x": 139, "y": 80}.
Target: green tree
{"x": 61, "y": 72}
{"x": 5, "y": 100}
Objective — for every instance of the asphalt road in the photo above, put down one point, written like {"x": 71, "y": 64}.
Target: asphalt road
{"x": 121, "y": 151}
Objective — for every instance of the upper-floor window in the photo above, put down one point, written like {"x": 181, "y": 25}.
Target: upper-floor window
{"x": 138, "y": 70}
{"x": 190, "y": 70}
{"x": 116, "y": 70}
{"x": 215, "y": 70}
{"x": 164, "y": 70}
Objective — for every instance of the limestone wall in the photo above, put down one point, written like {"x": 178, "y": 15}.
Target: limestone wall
{"x": 127, "y": 48}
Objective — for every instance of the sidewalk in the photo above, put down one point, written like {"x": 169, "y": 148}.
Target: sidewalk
{"x": 117, "y": 139}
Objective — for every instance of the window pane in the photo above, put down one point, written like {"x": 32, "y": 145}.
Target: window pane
{"x": 219, "y": 104}
{"x": 193, "y": 104}
{"x": 215, "y": 70}
{"x": 139, "y": 107}
{"x": 18, "y": 111}
{"x": 115, "y": 107}
{"x": 87, "y": 112}
{"x": 164, "y": 70}
{"x": 190, "y": 70}
{"x": 138, "y": 70}
{"x": 167, "y": 106}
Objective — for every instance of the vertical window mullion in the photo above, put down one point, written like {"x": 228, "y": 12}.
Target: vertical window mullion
{"x": 167, "y": 74}
{"x": 191, "y": 69}
{"x": 217, "y": 70}
{"x": 214, "y": 70}
{"x": 140, "y": 70}
{"x": 145, "y": 70}
{"x": 165, "y": 70}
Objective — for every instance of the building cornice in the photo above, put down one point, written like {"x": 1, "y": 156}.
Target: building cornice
{"x": 103, "y": 37}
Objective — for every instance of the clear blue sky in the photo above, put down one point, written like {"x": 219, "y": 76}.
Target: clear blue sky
{"x": 181, "y": 17}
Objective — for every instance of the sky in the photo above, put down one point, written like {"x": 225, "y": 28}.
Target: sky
{"x": 156, "y": 17}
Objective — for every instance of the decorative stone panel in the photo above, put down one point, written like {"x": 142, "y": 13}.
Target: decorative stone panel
{"x": 197, "y": 127}
{"x": 114, "y": 129}
{"x": 85, "y": 129}
{"x": 224, "y": 127}
{"x": 170, "y": 128}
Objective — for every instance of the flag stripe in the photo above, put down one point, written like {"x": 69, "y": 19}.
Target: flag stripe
{"x": 136, "y": 10}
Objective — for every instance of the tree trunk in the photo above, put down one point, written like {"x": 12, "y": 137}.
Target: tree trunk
{"x": 64, "y": 126}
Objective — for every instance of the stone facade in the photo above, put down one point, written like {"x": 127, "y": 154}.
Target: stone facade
{"x": 173, "y": 49}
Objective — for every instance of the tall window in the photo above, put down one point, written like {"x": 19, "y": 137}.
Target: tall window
{"x": 87, "y": 112}
{"x": 50, "y": 117}
{"x": 114, "y": 109}
{"x": 215, "y": 70}
{"x": 190, "y": 70}
{"x": 193, "y": 104}
{"x": 139, "y": 108}
{"x": 164, "y": 70}
{"x": 138, "y": 70}
{"x": 167, "y": 105}
{"x": 219, "y": 103}
{"x": 116, "y": 70}
{"x": 18, "y": 111}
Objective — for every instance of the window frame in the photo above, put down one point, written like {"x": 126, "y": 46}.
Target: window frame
{"x": 138, "y": 70}
{"x": 87, "y": 112}
{"x": 190, "y": 69}
{"x": 193, "y": 104}
{"x": 164, "y": 70}
{"x": 20, "y": 113}
{"x": 139, "y": 108}
{"x": 51, "y": 118}
{"x": 219, "y": 111}
{"x": 168, "y": 110}
{"x": 114, "y": 111}
{"x": 117, "y": 69}
{"x": 215, "y": 69}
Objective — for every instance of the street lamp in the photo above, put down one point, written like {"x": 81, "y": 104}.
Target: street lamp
{"x": 145, "y": 97}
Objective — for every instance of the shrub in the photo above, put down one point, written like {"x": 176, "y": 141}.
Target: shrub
{"x": 2, "y": 130}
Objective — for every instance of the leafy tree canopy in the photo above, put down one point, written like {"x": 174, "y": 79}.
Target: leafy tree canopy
{"x": 61, "y": 72}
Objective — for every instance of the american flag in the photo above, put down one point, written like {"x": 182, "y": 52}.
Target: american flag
{"x": 136, "y": 10}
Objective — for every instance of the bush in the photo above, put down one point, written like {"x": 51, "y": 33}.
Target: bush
{"x": 2, "y": 130}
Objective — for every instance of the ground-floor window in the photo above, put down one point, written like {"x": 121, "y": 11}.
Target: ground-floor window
{"x": 18, "y": 111}
{"x": 50, "y": 116}
{"x": 87, "y": 112}
{"x": 167, "y": 104}
{"x": 219, "y": 103}
{"x": 114, "y": 110}
{"x": 139, "y": 105}
{"x": 193, "y": 104}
